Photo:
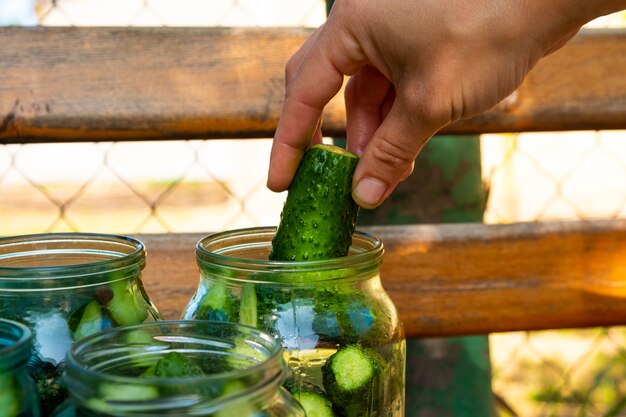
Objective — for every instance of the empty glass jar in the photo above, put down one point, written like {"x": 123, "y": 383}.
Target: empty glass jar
{"x": 18, "y": 395}
{"x": 67, "y": 286}
{"x": 341, "y": 331}
{"x": 178, "y": 368}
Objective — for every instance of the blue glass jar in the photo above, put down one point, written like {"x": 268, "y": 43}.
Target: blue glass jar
{"x": 18, "y": 394}
{"x": 178, "y": 368}
{"x": 67, "y": 286}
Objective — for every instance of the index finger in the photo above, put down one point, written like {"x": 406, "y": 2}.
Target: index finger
{"x": 316, "y": 81}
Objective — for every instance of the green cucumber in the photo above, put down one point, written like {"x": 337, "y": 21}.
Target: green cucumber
{"x": 319, "y": 215}
{"x": 243, "y": 355}
{"x": 314, "y": 402}
{"x": 218, "y": 303}
{"x": 345, "y": 317}
{"x": 236, "y": 408}
{"x": 127, "y": 392}
{"x": 91, "y": 320}
{"x": 9, "y": 396}
{"x": 139, "y": 344}
{"x": 352, "y": 380}
{"x": 248, "y": 306}
{"x": 141, "y": 338}
{"x": 173, "y": 365}
{"x": 127, "y": 307}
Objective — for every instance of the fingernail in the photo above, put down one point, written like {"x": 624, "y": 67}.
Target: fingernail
{"x": 368, "y": 192}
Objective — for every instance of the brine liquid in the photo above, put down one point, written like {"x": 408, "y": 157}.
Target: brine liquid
{"x": 306, "y": 366}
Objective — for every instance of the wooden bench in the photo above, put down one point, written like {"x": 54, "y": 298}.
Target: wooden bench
{"x": 101, "y": 84}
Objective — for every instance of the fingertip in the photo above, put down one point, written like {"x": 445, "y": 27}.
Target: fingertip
{"x": 369, "y": 192}
{"x": 284, "y": 161}
{"x": 277, "y": 182}
{"x": 273, "y": 184}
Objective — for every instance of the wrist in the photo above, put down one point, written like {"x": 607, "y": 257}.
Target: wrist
{"x": 580, "y": 12}
{"x": 551, "y": 23}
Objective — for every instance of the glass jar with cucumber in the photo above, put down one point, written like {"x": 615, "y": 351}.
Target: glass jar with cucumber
{"x": 18, "y": 394}
{"x": 314, "y": 284}
{"x": 178, "y": 368}
{"x": 65, "y": 287}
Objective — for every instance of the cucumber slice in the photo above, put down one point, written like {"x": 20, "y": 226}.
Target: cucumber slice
{"x": 127, "y": 306}
{"x": 91, "y": 321}
{"x": 315, "y": 404}
{"x": 351, "y": 380}
{"x": 248, "y": 306}
{"x": 319, "y": 215}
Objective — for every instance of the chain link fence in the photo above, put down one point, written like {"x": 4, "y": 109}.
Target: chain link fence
{"x": 201, "y": 186}
{"x": 557, "y": 176}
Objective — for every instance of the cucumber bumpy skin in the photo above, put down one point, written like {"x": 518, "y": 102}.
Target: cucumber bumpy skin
{"x": 319, "y": 215}
{"x": 173, "y": 365}
{"x": 218, "y": 303}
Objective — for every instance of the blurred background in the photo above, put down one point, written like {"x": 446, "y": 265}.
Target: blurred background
{"x": 202, "y": 186}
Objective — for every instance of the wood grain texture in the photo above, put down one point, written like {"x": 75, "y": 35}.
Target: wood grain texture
{"x": 77, "y": 84}
{"x": 463, "y": 279}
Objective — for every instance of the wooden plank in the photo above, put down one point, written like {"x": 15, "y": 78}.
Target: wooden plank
{"x": 463, "y": 279}
{"x": 85, "y": 83}
{"x": 140, "y": 83}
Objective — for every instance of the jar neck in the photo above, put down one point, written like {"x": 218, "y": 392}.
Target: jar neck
{"x": 243, "y": 255}
{"x": 15, "y": 346}
{"x": 113, "y": 372}
{"x": 61, "y": 261}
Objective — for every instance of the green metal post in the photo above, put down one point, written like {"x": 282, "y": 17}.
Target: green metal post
{"x": 451, "y": 376}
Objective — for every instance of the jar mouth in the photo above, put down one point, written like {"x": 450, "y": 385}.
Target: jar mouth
{"x": 54, "y": 260}
{"x": 119, "y": 356}
{"x": 248, "y": 250}
{"x": 15, "y": 344}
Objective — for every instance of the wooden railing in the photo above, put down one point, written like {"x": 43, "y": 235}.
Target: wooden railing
{"x": 463, "y": 279}
{"x": 73, "y": 84}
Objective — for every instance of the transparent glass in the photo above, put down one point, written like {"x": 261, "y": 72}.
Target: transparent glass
{"x": 67, "y": 286}
{"x": 236, "y": 371}
{"x": 18, "y": 394}
{"x": 315, "y": 308}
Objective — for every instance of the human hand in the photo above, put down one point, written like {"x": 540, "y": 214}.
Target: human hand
{"x": 415, "y": 67}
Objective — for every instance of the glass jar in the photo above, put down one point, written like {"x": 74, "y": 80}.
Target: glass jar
{"x": 18, "y": 395}
{"x": 64, "y": 287}
{"x": 178, "y": 368}
{"x": 327, "y": 314}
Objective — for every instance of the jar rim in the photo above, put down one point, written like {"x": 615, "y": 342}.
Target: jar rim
{"x": 18, "y": 349}
{"x": 269, "y": 371}
{"x": 275, "y": 349}
{"x": 366, "y": 249}
{"x": 14, "y": 249}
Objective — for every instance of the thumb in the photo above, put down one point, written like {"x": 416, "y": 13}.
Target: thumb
{"x": 389, "y": 156}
